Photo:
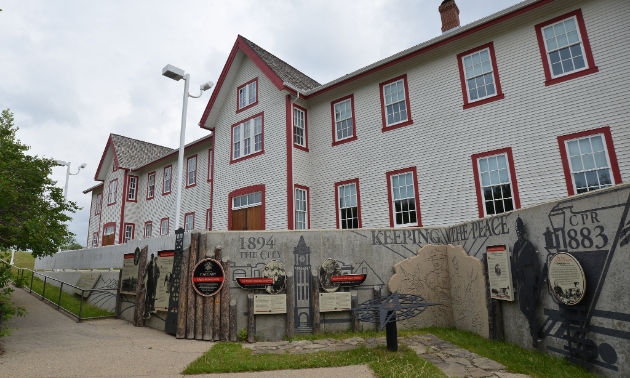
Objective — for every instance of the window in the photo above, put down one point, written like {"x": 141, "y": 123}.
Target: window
{"x": 248, "y": 200}
{"x": 191, "y": 172}
{"x": 150, "y": 185}
{"x": 403, "y": 196}
{"x": 208, "y": 219}
{"x": 302, "y": 221}
{"x": 129, "y": 231}
{"x": 395, "y": 103}
{"x": 166, "y": 185}
{"x": 113, "y": 188}
{"x": 247, "y": 138}
{"x": 300, "y": 133}
{"x": 189, "y": 221}
{"x": 344, "y": 129}
{"x": 589, "y": 160}
{"x": 95, "y": 240}
{"x": 133, "y": 188}
{"x": 210, "y": 156}
{"x": 247, "y": 95}
{"x": 479, "y": 76}
{"x": 348, "y": 204}
{"x": 148, "y": 229}
{"x": 495, "y": 179}
{"x": 99, "y": 203}
{"x": 565, "y": 48}
{"x": 164, "y": 226}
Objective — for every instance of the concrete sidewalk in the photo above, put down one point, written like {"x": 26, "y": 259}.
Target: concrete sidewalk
{"x": 48, "y": 343}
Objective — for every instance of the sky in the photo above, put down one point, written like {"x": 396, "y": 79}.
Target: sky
{"x": 72, "y": 72}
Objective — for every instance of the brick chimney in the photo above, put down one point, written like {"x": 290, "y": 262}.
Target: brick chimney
{"x": 450, "y": 15}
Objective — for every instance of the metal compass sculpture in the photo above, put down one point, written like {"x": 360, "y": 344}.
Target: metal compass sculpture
{"x": 390, "y": 309}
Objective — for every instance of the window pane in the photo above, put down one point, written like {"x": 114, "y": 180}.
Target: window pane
{"x": 597, "y": 143}
{"x": 576, "y": 163}
{"x": 259, "y": 197}
{"x": 485, "y": 179}
{"x": 483, "y": 165}
{"x": 487, "y": 194}
{"x": 552, "y": 44}
{"x": 503, "y": 176}
{"x": 559, "y": 28}
{"x": 554, "y": 57}
{"x": 573, "y": 37}
{"x": 492, "y": 163}
{"x": 579, "y": 62}
{"x": 489, "y": 207}
{"x": 469, "y": 72}
{"x": 567, "y": 65}
{"x": 498, "y": 207}
{"x": 509, "y": 206}
{"x": 488, "y": 78}
{"x": 557, "y": 69}
{"x": 600, "y": 159}
{"x": 589, "y": 162}
{"x": 476, "y": 59}
{"x": 573, "y": 148}
{"x": 604, "y": 177}
{"x": 505, "y": 189}
{"x": 496, "y": 192}
{"x": 237, "y": 201}
{"x": 570, "y": 24}
{"x": 591, "y": 178}
{"x": 549, "y": 32}
{"x": 580, "y": 180}
{"x": 562, "y": 40}
{"x": 486, "y": 67}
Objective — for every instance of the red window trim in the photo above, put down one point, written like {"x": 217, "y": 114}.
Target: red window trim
{"x": 109, "y": 188}
{"x": 168, "y": 226}
{"x": 237, "y": 97}
{"x": 337, "y": 185}
{"x": 115, "y": 165}
{"x": 164, "y": 180}
{"x": 108, "y": 225}
{"x": 133, "y": 231}
{"x": 336, "y": 142}
{"x": 240, "y": 192}
{"x": 196, "y": 171}
{"x": 144, "y": 230}
{"x": 210, "y": 163}
{"x": 262, "y": 150}
{"x": 414, "y": 170}
{"x": 384, "y": 115}
{"x": 94, "y": 236}
{"x": 308, "y": 205}
{"x": 154, "y": 184}
{"x": 305, "y": 128}
{"x": 495, "y": 70}
{"x": 187, "y": 214}
{"x": 592, "y": 68}
{"x": 612, "y": 156}
{"x": 99, "y": 206}
{"x": 475, "y": 157}
{"x": 129, "y": 186}
{"x": 208, "y": 219}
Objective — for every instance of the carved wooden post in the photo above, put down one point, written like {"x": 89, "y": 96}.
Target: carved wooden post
{"x": 377, "y": 293}
{"x": 216, "y": 326}
{"x": 233, "y": 312}
{"x": 354, "y": 302}
{"x": 225, "y": 300}
{"x": 315, "y": 296}
{"x": 290, "y": 305}
{"x": 201, "y": 254}
{"x": 251, "y": 325}
{"x": 208, "y": 307}
{"x": 192, "y": 294}
{"x": 118, "y": 297}
{"x": 182, "y": 306}
{"x": 138, "y": 316}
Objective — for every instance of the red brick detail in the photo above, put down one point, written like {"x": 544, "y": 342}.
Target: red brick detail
{"x": 450, "y": 15}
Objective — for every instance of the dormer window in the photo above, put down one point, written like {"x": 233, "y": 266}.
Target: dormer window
{"x": 247, "y": 95}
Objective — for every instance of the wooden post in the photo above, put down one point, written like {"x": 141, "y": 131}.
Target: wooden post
{"x": 233, "y": 312}
{"x": 290, "y": 305}
{"x": 182, "y": 306}
{"x": 199, "y": 304}
{"x": 251, "y": 325}
{"x": 118, "y": 295}
{"x": 138, "y": 316}
{"x": 377, "y": 293}
{"x": 208, "y": 308}
{"x": 225, "y": 300}
{"x": 216, "y": 326}
{"x": 315, "y": 296}
{"x": 192, "y": 294}
{"x": 354, "y": 301}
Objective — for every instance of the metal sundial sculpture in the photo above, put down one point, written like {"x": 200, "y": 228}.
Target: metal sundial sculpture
{"x": 390, "y": 309}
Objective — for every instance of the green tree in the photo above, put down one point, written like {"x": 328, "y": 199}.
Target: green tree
{"x": 32, "y": 210}
{"x": 72, "y": 247}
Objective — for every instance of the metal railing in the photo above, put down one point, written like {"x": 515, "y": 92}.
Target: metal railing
{"x": 62, "y": 283}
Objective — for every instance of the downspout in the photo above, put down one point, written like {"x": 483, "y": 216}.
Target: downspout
{"x": 122, "y": 211}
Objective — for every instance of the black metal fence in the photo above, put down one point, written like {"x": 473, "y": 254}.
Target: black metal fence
{"x": 20, "y": 273}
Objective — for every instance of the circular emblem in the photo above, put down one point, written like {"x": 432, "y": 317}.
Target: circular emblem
{"x": 566, "y": 278}
{"x": 207, "y": 277}
{"x": 136, "y": 256}
{"x": 274, "y": 269}
{"x": 329, "y": 268}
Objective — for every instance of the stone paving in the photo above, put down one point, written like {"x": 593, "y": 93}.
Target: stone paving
{"x": 452, "y": 360}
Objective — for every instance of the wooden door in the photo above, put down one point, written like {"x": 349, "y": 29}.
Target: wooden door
{"x": 239, "y": 219}
{"x": 247, "y": 219}
{"x": 108, "y": 240}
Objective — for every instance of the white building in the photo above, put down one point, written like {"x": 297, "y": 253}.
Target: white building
{"x": 522, "y": 107}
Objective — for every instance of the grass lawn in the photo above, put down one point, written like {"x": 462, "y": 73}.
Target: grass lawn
{"x": 230, "y": 357}
{"x": 70, "y": 302}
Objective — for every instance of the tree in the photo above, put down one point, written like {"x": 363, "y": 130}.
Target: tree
{"x": 32, "y": 210}
{"x": 72, "y": 247}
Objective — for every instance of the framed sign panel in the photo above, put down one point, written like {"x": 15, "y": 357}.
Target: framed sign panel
{"x": 207, "y": 277}
{"x": 129, "y": 278}
{"x": 163, "y": 278}
{"x": 270, "y": 304}
{"x": 500, "y": 273}
{"x": 566, "y": 278}
{"x": 334, "y": 302}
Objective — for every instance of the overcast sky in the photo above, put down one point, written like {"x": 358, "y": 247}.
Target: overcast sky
{"x": 75, "y": 71}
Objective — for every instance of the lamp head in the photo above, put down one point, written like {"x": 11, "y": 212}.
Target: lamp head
{"x": 61, "y": 162}
{"x": 83, "y": 165}
{"x": 205, "y": 86}
{"x": 173, "y": 72}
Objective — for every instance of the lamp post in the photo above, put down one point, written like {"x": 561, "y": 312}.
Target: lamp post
{"x": 177, "y": 74}
{"x": 67, "y": 163}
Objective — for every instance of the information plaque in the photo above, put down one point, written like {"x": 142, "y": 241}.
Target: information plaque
{"x": 207, "y": 277}
{"x": 270, "y": 304}
{"x": 334, "y": 302}
{"x": 164, "y": 275}
{"x": 87, "y": 281}
{"x": 499, "y": 273}
{"x": 129, "y": 279}
{"x": 566, "y": 278}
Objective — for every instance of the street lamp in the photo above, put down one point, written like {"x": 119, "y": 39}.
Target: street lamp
{"x": 67, "y": 163}
{"x": 177, "y": 74}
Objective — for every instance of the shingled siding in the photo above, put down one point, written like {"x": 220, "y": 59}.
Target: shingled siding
{"x": 443, "y": 136}
{"x": 268, "y": 169}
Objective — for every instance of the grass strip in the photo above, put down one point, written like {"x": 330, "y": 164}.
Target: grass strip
{"x": 230, "y": 357}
